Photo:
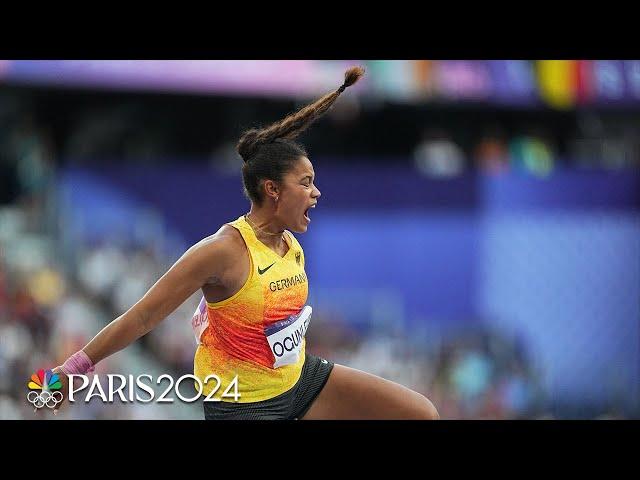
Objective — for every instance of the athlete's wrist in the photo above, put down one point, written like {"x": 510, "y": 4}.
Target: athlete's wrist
{"x": 78, "y": 363}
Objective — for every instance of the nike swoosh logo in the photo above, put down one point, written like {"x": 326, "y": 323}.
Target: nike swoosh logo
{"x": 261, "y": 271}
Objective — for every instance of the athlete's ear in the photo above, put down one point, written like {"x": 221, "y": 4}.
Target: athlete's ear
{"x": 271, "y": 189}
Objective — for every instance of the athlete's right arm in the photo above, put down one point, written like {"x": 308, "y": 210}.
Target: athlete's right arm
{"x": 204, "y": 263}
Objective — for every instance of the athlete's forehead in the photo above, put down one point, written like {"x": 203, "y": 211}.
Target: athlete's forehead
{"x": 303, "y": 168}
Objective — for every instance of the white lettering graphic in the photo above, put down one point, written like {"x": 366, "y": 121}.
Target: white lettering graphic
{"x": 145, "y": 382}
{"x": 85, "y": 382}
{"x": 118, "y": 390}
{"x": 200, "y": 320}
{"x": 287, "y": 336}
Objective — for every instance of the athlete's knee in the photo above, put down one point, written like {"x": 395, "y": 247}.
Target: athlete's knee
{"x": 427, "y": 410}
{"x": 432, "y": 411}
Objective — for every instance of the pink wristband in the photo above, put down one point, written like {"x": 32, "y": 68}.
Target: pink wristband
{"x": 78, "y": 363}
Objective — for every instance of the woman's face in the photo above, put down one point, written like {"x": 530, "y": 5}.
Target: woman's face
{"x": 297, "y": 196}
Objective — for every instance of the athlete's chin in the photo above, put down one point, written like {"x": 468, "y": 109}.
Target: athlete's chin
{"x": 300, "y": 228}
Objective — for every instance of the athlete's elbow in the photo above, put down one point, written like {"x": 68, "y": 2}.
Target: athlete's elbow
{"x": 142, "y": 320}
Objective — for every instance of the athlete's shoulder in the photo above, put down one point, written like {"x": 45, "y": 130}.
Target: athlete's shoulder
{"x": 219, "y": 251}
{"x": 226, "y": 240}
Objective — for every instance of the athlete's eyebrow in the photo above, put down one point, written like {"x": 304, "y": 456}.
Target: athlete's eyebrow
{"x": 307, "y": 176}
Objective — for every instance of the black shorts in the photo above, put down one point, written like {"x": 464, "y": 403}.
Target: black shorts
{"x": 290, "y": 405}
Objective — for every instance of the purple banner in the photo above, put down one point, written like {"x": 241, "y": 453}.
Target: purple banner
{"x": 463, "y": 79}
{"x": 609, "y": 81}
{"x": 269, "y": 77}
{"x": 512, "y": 82}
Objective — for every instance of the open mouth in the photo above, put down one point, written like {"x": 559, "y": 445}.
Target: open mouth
{"x": 306, "y": 213}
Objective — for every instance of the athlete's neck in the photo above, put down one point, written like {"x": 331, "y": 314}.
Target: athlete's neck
{"x": 267, "y": 229}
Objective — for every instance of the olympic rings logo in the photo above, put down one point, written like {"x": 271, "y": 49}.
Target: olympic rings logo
{"x": 50, "y": 399}
{"x": 44, "y": 386}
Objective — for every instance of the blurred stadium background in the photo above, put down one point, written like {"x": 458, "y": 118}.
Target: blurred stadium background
{"x": 478, "y": 237}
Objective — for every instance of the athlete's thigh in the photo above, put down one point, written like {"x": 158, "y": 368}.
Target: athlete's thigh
{"x": 353, "y": 394}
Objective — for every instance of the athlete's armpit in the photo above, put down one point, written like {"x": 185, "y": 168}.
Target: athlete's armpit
{"x": 213, "y": 281}
{"x": 205, "y": 261}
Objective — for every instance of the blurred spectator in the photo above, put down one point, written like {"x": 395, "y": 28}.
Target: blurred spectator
{"x": 100, "y": 268}
{"x": 532, "y": 153}
{"x": 46, "y": 286}
{"x": 517, "y": 392}
{"x": 438, "y": 156}
{"x": 491, "y": 153}
{"x": 596, "y": 144}
{"x": 33, "y": 153}
{"x": 27, "y": 312}
{"x": 141, "y": 272}
{"x": 470, "y": 376}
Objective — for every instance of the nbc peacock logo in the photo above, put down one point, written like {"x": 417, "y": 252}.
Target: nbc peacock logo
{"x": 44, "y": 389}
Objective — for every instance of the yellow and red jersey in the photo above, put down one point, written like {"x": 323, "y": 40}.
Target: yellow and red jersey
{"x": 258, "y": 333}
